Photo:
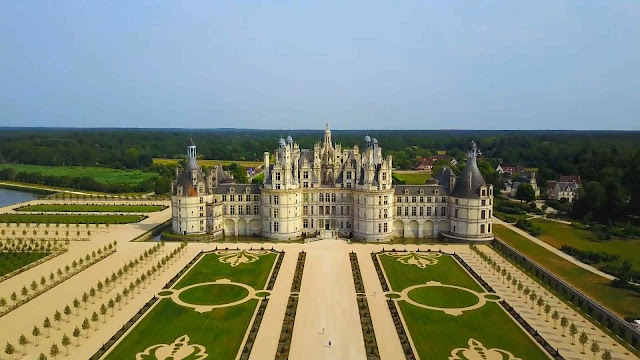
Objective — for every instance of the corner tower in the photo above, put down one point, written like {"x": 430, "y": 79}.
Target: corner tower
{"x": 470, "y": 203}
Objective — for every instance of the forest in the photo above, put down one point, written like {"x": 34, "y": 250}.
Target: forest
{"x": 607, "y": 161}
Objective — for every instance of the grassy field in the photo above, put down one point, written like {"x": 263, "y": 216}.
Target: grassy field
{"x": 90, "y": 208}
{"x": 202, "y": 162}
{"x": 214, "y": 294}
{"x": 69, "y": 219}
{"x": 557, "y": 234}
{"x": 623, "y": 302}
{"x": 220, "y": 331}
{"x": 435, "y": 334}
{"x": 10, "y": 261}
{"x": 413, "y": 177}
{"x": 99, "y": 174}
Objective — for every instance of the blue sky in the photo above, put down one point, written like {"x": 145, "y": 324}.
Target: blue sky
{"x": 298, "y": 64}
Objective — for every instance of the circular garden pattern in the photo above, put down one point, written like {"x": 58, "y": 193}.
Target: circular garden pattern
{"x": 213, "y": 294}
{"x": 443, "y": 297}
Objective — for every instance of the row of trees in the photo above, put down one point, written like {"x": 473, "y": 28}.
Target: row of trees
{"x": 38, "y": 286}
{"x": 114, "y": 303}
{"x": 537, "y": 300}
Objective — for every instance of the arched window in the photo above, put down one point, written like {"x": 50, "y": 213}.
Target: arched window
{"x": 482, "y": 229}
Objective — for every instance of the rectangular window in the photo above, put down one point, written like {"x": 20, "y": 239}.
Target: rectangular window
{"x": 482, "y": 228}
{"x": 483, "y": 214}
{"x": 406, "y": 211}
{"x": 277, "y": 186}
{"x": 239, "y": 197}
{"x": 386, "y": 200}
{"x": 321, "y": 197}
{"x": 240, "y": 209}
{"x": 232, "y": 209}
{"x": 484, "y": 202}
{"x": 256, "y": 198}
{"x": 429, "y": 211}
{"x": 406, "y": 199}
{"x": 305, "y": 210}
{"x": 443, "y": 211}
{"x": 312, "y": 210}
{"x": 224, "y": 197}
{"x": 201, "y": 200}
{"x": 256, "y": 209}
{"x": 224, "y": 210}
{"x": 413, "y": 199}
{"x": 348, "y": 210}
{"x": 305, "y": 184}
{"x": 386, "y": 213}
{"x": 305, "y": 223}
{"x": 278, "y": 176}
{"x": 421, "y": 198}
{"x": 333, "y": 197}
{"x": 305, "y": 197}
{"x": 428, "y": 199}
{"x": 341, "y": 210}
{"x": 399, "y": 211}
{"x": 399, "y": 199}
{"x": 232, "y": 198}
{"x": 276, "y": 199}
{"x": 380, "y": 200}
{"x": 421, "y": 211}
{"x": 321, "y": 210}
{"x": 444, "y": 199}
{"x": 312, "y": 223}
{"x": 386, "y": 227}
{"x": 413, "y": 211}
{"x": 275, "y": 213}
{"x": 248, "y": 209}
{"x": 455, "y": 213}
{"x": 348, "y": 175}
{"x": 276, "y": 226}
{"x": 305, "y": 174}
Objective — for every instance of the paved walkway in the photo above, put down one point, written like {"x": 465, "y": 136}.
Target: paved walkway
{"x": 553, "y": 249}
{"x": 327, "y": 300}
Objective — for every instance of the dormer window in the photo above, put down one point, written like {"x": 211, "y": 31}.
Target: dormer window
{"x": 406, "y": 191}
{"x": 278, "y": 176}
{"x": 484, "y": 192}
{"x": 421, "y": 191}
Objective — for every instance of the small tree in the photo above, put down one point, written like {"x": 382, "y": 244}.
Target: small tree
{"x": 76, "y": 334}
{"x": 111, "y": 304}
{"x": 42, "y": 357}
{"x": 9, "y": 350}
{"x": 514, "y": 283}
{"x": 540, "y": 303}
{"x": 13, "y": 296}
{"x": 23, "y": 341}
{"x": 57, "y": 316}
{"x": 564, "y": 322}
{"x": 54, "y": 351}
{"x": 66, "y": 342}
{"x": 3, "y": 302}
{"x": 86, "y": 326}
{"x": 547, "y": 310}
{"x": 573, "y": 330}
{"x": 36, "y": 333}
{"x": 43, "y": 281}
{"x": 583, "y": 339}
{"x": 125, "y": 294}
{"x": 555, "y": 317}
{"x": 526, "y": 293}
{"x": 95, "y": 318}
{"x": 34, "y": 286}
{"x": 24, "y": 291}
{"x": 47, "y": 325}
{"x": 100, "y": 287}
{"x": 76, "y": 305}
{"x": 67, "y": 312}
{"x": 525, "y": 193}
{"x": 119, "y": 301}
{"x": 595, "y": 348}
{"x": 92, "y": 293}
{"x": 533, "y": 298}
{"x": 103, "y": 312}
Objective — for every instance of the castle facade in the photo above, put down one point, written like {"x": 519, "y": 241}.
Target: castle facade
{"x": 347, "y": 192}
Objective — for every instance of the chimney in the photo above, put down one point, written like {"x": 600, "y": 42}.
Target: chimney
{"x": 266, "y": 164}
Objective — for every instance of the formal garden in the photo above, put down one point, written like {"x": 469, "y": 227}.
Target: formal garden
{"x": 207, "y": 311}
{"x": 112, "y": 208}
{"x": 447, "y": 313}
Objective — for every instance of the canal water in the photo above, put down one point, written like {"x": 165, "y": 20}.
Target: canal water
{"x": 10, "y": 196}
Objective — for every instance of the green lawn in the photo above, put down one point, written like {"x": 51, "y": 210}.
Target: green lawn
{"x": 103, "y": 175}
{"x": 213, "y": 294}
{"x": 443, "y": 297}
{"x": 623, "y": 302}
{"x": 220, "y": 331}
{"x": 69, "y": 219}
{"x": 10, "y": 261}
{"x": 435, "y": 334}
{"x": 557, "y": 234}
{"x": 90, "y": 208}
{"x": 413, "y": 178}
